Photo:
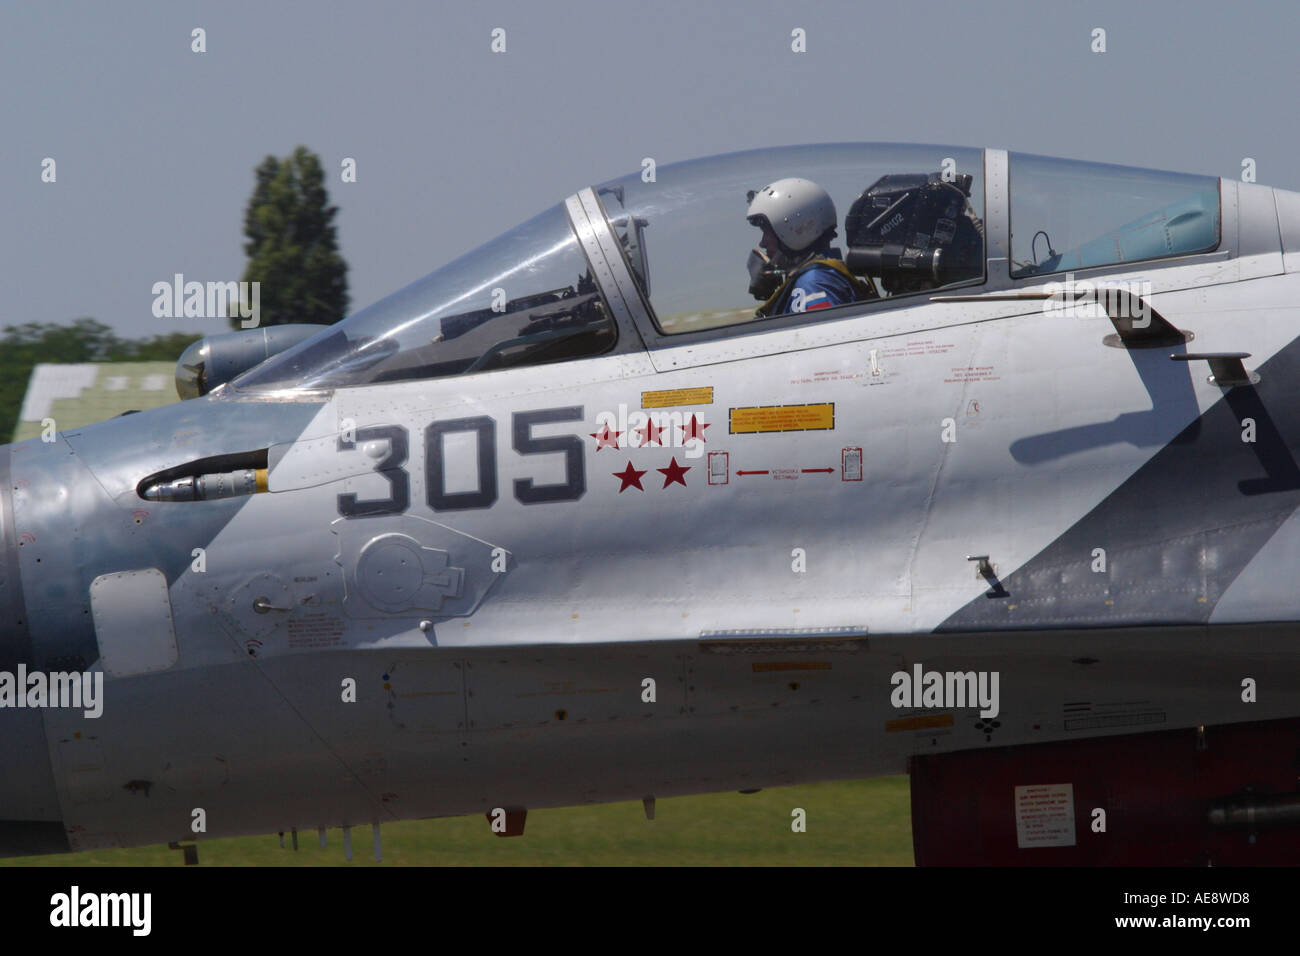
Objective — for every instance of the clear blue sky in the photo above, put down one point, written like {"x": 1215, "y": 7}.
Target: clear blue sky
{"x": 155, "y": 145}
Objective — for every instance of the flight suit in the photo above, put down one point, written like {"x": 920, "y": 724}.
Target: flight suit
{"x": 818, "y": 284}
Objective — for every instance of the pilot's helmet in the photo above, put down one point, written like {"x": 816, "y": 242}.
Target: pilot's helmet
{"x": 798, "y": 211}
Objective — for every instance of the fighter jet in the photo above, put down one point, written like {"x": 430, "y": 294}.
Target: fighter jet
{"x": 782, "y": 466}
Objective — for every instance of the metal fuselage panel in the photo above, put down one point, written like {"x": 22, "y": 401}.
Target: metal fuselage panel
{"x": 456, "y": 731}
{"x": 451, "y": 588}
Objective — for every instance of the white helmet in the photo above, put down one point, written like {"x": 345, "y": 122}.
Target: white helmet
{"x": 797, "y": 210}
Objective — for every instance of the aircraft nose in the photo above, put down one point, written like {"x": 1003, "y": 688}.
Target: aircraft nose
{"x": 29, "y": 806}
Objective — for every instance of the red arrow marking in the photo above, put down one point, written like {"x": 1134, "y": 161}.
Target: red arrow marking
{"x": 818, "y": 471}
{"x": 753, "y": 472}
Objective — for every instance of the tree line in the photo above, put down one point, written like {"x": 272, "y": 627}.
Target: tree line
{"x": 292, "y": 249}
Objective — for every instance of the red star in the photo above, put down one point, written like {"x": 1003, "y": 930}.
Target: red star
{"x": 630, "y": 477}
{"x": 674, "y": 472}
{"x": 603, "y": 439}
{"x": 694, "y": 430}
{"x": 650, "y": 433}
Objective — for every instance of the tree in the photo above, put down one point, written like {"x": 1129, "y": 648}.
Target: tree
{"x": 292, "y": 245}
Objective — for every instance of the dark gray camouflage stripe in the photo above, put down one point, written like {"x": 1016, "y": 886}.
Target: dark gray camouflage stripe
{"x": 1178, "y": 532}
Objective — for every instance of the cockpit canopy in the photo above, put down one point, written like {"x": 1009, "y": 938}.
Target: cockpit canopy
{"x": 908, "y": 217}
{"x": 664, "y": 252}
{"x": 526, "y": 297}
{"x": 1100, "y": 215}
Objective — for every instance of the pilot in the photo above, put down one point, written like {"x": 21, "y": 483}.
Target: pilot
{"x": 797, "y": 270}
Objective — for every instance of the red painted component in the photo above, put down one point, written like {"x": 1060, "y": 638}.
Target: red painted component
{"x": 1156, "y": 790}
{"x": 514, "y": 822}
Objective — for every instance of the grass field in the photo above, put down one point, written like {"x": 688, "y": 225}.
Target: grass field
{"x": 855, "y": 823}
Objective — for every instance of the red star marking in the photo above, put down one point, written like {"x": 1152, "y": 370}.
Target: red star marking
{"x": 694, "y": 430}
{"x": 603, "y": 439}
{"x": 674, "y": 472}
{"x": 650, "y": 433}
{"x": 630, "y": 477}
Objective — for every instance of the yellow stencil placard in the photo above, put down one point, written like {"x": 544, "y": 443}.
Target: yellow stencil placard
{"x": 926, "y": 722}
{"x": 678, "y": 396}
{"x": 783, "y": 418}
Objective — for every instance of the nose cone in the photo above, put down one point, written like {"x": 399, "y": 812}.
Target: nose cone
{"x": 29, "y": 807}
